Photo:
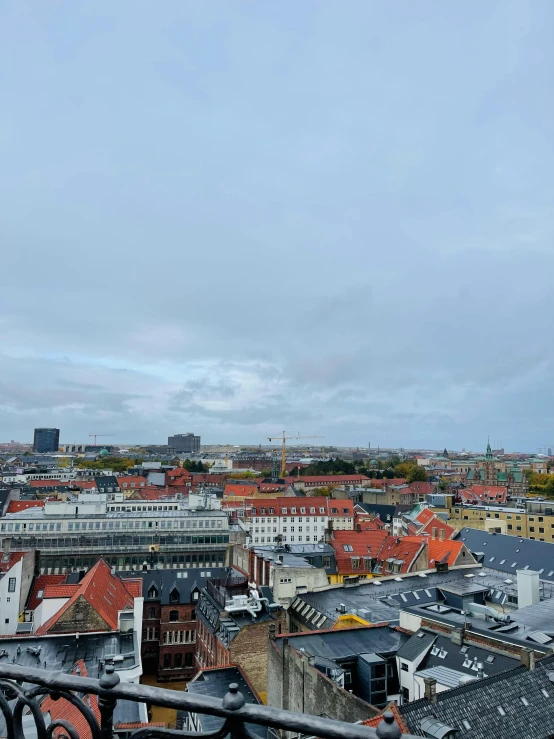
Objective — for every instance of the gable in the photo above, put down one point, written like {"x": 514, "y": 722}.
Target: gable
{"x": 79, "y": 616}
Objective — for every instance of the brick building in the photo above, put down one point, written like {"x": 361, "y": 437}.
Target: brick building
{"x": 227, "y": 636}
{"x": 169, "y": 623}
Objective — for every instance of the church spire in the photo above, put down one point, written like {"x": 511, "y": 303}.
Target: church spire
{"x": 489, "y": 450}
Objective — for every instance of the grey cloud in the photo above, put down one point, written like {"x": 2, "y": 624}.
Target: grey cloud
{"x": 342, "y": 236}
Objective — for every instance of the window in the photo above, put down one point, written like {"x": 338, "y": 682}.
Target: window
{"x": 167, "y": 661}
{"x": 11, "y": 585}
{"x": 174, "y": 615}
{"x": 355, "y": 563}
{"x": 153, "y": 592}
{"x": 193, "y": 616}
{"x": 174, "y": 596}
{"x": 178, "y": 662}
{"x": 404, "y": 666}
{"x": 347, "y": 547}
{"x": 151, "y": 613}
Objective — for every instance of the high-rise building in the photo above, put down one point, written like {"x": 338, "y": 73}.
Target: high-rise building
{"x": 188, "y": 443}
{"x": 46, "y": 440}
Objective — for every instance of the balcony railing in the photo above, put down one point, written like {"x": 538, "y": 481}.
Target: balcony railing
{"x": 22, "y": 690}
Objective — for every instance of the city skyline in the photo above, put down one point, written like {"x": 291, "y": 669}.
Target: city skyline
{"x": 298, "y": 217}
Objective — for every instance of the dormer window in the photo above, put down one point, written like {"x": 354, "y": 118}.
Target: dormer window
{"x": 153, "y": 593}
{"x": 174, "y": 596}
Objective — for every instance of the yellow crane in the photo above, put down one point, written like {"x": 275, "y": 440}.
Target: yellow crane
{"x": 283, "y": 439}
{"x": 96, "y": 435}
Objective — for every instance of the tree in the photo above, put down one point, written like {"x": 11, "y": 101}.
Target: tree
{"x": 325, "y": 491}
{"x": 405, "y": 468}
{"x": 416, "y": 474}
{"x": 266, "y": 473}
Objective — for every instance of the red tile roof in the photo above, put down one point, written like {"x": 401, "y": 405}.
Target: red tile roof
{"x": 283, "y": 506}
{"x": 362, "y": 544}
{"x": 340, "y": 508}
{"x": 105, "y": 592}
{"x": 131, "y": 481}
{"x": 153, "y": 493}
{"x": 63, "y": 709}
{"x": 393, "y": 481}
{"x": 40, "y": 584}
{"x": 404, "y": 549}
{"x": 60, "y": 591}
{"x": 425, "y": 515}
{"x": 435, "y": 525}
{"x": 45, "y": 483}
{"x": 376, "y": 720}
{"x": 444, "y": 551}
{"x": 12, "y": 560}
{"x": 134, "y": 586}
{"x": 484, "y": 494}
{"x": 331, "y": 479}
{"x": 422, "y": 488}
{"x": 15, "y": 506}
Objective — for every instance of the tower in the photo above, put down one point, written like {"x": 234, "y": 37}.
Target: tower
{"x": 489, "y": 470}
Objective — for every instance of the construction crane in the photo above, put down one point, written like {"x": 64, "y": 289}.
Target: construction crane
{"x": 283, "y": 439}
{"x": 96, "y": 435}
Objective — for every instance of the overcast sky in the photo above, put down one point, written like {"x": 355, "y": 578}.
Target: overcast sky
{"x": 235, "y": 218}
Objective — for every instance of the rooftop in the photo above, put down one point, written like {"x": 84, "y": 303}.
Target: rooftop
{"x": 513, "y": 704}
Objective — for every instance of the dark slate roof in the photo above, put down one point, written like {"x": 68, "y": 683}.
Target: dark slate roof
{"x": 510, "y": 553}
{"x": 446, "y": 654}
{"x": 416, "y": 645}
{"x": 343, "y": 643}
{"x": 380, "y": 602}
{"x": 527, "y": 711}
{"x": 215, "y": 684}
{"x": 103, "y": 481}
{"x": 385, "y": 512}
{"x": 185, "y": 580}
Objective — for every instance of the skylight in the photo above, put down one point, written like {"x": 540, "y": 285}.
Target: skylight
{"x": 545, "y": 693}
{"x": 466, "y": 724}
{"x": 501, "y": 711}
{"x": 524, "y": 700}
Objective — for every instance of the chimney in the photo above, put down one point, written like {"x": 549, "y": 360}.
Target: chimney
{"x": 480, "y": 671}
{"x": 113, "y": 571}
{"x": 430, "y": 689}
{"x": 145, "y": 566}
{"x": 434, "y": 532}
{"x": 457, "y": 637}
{"x": 441, "y": 535}
{"x": 527, "y": 588}
{"x": 527, "y": 658}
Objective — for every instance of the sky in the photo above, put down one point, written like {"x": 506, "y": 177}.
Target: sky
{"x": 235, "y": 218}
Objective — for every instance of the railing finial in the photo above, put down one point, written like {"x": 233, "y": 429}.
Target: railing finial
{"x": 234, "y": 699}
{"x": 388, "y": 728}
{"x": 110, "y": 678}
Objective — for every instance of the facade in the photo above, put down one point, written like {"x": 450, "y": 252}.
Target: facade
{"x": 492, "y": 472}
{"x": 170, "y": 533}
{"x": 184, "y": 443}
{"x": 16, "y": 578}
{"x": 294, "y": 520}
{"x": 46, "y": 440}
{"x": 234, "y": 624}
{"x": 169, "y": 620}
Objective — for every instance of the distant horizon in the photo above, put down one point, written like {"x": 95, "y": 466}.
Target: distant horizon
{"x": 269, "y": 447}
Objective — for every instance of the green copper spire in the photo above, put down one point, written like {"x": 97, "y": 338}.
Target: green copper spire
{"x": 489, "y": 450}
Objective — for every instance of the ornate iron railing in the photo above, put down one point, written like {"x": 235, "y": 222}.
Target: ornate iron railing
{"x": 22, "y": 690}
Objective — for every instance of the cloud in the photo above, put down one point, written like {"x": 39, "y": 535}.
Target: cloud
{"x": 238, "y": 222}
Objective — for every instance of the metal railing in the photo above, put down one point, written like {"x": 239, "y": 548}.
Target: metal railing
{"x": 22, "y": 690}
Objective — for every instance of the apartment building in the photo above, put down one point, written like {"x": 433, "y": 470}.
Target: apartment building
{"x": 74, "y": 534}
